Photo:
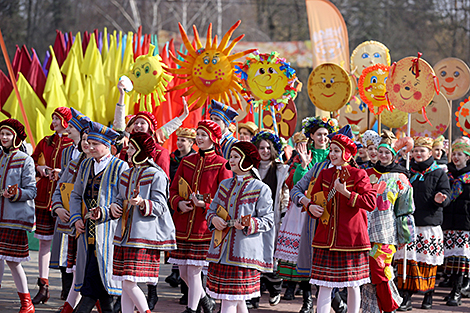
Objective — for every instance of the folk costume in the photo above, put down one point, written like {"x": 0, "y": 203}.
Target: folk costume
{"x": 295, "y": 160}
{"x": 273, "y": 173}
{"x": 175, "y": 156}
{"x": 162, "y": 156}
{"x": 17, "y": 212}
{"x": 60, "y": 242}
{"x": 287, "y": 249}
{"x": 456, "y": 227}
{"x": 202, "y": 172}
{"x": 142, "y": 230}
{"x": 48, "y": 152}
{"x": 64, "y": 244}
{"x": 341, "y": 242}
{"x": 235, "y": 264}
{"x": 427, "y": 251}
{"x": 227, "y": 114}
{"x": 390, "y": 224}
{"x": 96, "y": 186}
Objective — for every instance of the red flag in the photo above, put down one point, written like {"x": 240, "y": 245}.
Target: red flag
{"x": 37, "y": 78}
{"x": 86, "y": 40}
{"x": 60, "y": 48}
{"x": 24, "y": 62}
{"x": 16, "y": 60}
{"x": 5, "y": 88}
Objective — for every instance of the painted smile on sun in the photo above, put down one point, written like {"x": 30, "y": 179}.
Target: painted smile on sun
{"x": 209, "y": 71}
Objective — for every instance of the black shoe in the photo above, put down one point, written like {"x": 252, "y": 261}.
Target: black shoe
{"x": 465, "y": 291}
{"x": 117, "y": 304}
{"x": 85, "y": 305}
{"x": 307, "y": 305}
{"x": 406, "y": 304}
{"x": 274, "y": 300}
{"x": 249, "y": 305}
{"x": 290, "y": 291}
{"x": 253, "y": 303}
{"x": 299, "y": 292}
{"x": 188, "y": 310}
{"x": 447, "y": 282}
{"x": 338, "y": 305}
{"x": 184, "y": 300}
{"x": 207, "y": 304}
{"x": 152, "y": 297}
{"x": 427, "y": 301}
{"x": 173, "y": 279}
{"x": 455, "y": 297}
{"x": 67, "y": 279}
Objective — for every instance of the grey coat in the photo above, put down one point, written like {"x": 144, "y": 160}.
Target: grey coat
{"x": 18, "y": 212}
{"x": 150, "y": 227}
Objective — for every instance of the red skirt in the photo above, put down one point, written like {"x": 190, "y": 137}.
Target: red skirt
{"x": 339, "y": 268}
{"x": 229, "y": 282}
{"x": 72, "y": 252}
{"x": 191, "y": 250}
{"x": 45, "y": 224}
{"x": 136, "y": 264}
{"x": 14, "y": 245}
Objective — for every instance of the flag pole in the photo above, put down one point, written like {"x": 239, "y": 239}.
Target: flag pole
{"x": 15, "y": 86}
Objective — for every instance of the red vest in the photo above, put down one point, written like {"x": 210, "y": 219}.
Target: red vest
{"x": 203, "y": 174}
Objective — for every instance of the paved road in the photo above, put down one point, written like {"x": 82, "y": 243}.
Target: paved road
{"x": 168, "y": 297}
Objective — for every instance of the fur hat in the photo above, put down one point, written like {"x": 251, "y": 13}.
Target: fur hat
{"x": 145, "y": 146}
{"x": 249, "y": 153}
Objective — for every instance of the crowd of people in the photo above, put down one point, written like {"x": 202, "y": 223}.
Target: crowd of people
{"x": 367, "y": 218}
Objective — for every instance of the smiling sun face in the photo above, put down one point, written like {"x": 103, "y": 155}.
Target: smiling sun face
{"x": 209, "y": 72}
{"x": 372, "y": 87}
{"x": 329, "y": 87}
{"x": 463, "y": 117}
{"x": 266, "y": 80}
{"x": 454, "y": 77}
{"x": 407, "y": 91}
{"x": 367, "y": 54}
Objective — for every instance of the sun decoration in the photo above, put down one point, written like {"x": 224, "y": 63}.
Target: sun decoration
{"x": 268, "y": 80}
{"x": 210, "y": 71}
{"x": 463, "y": 116}
{"x": 372, "y": 87}
{"x": 150, "y": 81}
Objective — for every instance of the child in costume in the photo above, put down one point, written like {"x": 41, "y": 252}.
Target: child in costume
{"x": 371, "y": 141}
{"x": 431, "y": 194}
{"x": 273, "y": 173}
{"x": 235, "y": 264}
{"x": 144, "y": 227}
{"x": 456, "y": 225}
{"x": 96, "y": 186}
{"x": 202, "y": 174}
{"x": 60, "y": 241}
{"x": 224, "y": 115}
{"x": 391, "y": 223}
{"x": 17, "y": 206}
{"x": 341, "y": 242}
{"x": 68, "y": 243}
{"x": 314, "y": 151}
{"x": 47, "y": 158}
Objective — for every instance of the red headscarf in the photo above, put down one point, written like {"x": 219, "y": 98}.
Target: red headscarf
{"x": 148, "y": 117}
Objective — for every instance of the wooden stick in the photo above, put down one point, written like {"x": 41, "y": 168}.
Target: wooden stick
{"x": 450, "y": 132}
{"x": 15, "y": 86}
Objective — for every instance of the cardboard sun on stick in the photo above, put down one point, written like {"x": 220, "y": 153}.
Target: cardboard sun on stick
{"x": 454, "y": 77}
{"x": 411, "y": 84}
{"x": 372, "y": 87}
{"x": 463, "y": 116}
{"x": 329, "y": 87}
{"x": 438, "y": 113}
{"x": 367, "y": 54}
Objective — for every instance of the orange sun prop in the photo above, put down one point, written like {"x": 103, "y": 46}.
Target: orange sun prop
{"x": 210, "y": 71}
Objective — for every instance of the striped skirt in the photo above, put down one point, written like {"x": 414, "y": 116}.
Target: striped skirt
{"x": 339, "y": 268}
{"x": 229, "y": 282}
{"x": 14, "y": 245}
{"x": 420, "y": 277}
{"x": 136, "y": 264}
{"x": 288, "y": 271}
{"x": 190, "y": 253}
{"x": 45, "y": 224}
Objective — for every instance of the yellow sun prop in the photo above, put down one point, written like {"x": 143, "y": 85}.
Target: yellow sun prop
{"x": 268, "y": 80}
{"x": 150, "y": 81}
{"x": 210, "y": 71}
{"x": 372, "y": 87}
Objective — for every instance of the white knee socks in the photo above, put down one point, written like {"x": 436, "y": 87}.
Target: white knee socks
{"x": 136, "y": 295}
{"x": 354, "y": 299}
{"x": 324, "y": 300}
{"x": 2, "y": 269}
{"x": 18, "y": 276}
{"x": 234, "y": 306}
{"x": 74, "y": 296}
{"x": 44, "y": 257}
{"x": 127, "y": 305}
{"x": 192, "y": 276}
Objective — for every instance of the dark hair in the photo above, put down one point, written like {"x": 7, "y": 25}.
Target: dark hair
{"x": 50, "y": 140}
{"x": 82, "y": 132}
{"x": 271, "y": 147}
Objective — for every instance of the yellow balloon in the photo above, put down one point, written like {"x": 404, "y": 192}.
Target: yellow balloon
{"x": 146, "y": 74}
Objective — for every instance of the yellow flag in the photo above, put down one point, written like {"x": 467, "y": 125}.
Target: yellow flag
{"x": 128, "y": 57}
{"x": 88, "y": 103}
{"x": 54, "y": 90}
{"x": 74, "y": 88}
{"x": 104, "y": 49}
{"x": 32, "y": 105}
{"x": 92, "y": 66}
{"x": 78, "y": 49}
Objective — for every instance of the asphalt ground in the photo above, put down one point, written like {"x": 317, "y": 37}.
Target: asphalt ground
{"x": 169, "y": 297}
